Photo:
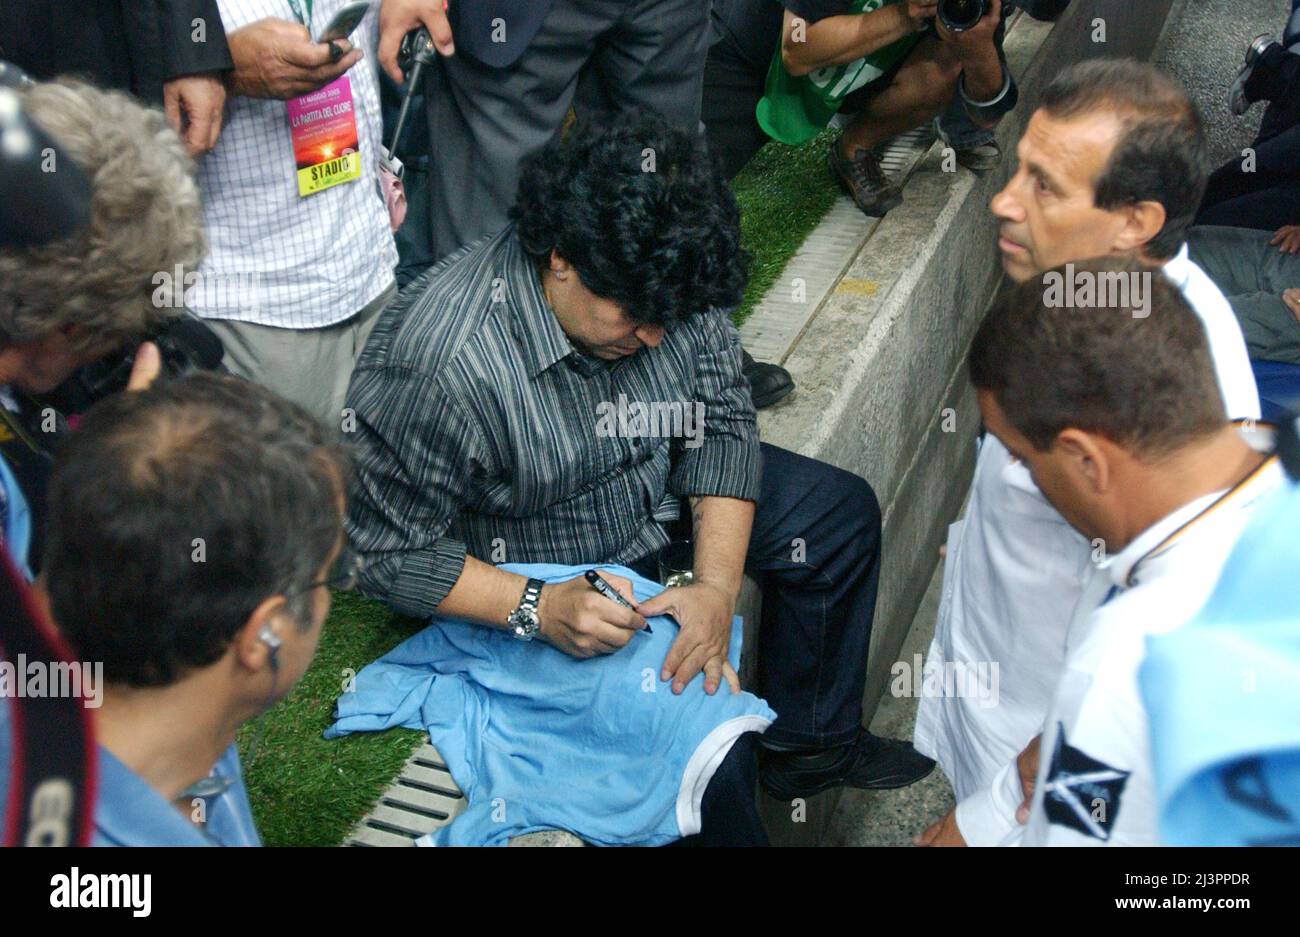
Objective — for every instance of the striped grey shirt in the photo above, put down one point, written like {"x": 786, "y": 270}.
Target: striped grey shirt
{"x": 481, "y": 429}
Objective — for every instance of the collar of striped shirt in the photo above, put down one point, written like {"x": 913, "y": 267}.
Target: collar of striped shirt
{"x": 541, "y": 339}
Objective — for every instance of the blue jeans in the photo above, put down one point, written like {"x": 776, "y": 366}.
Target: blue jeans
{"x": 815, "y": 548}
{"x": 955, "y": 125}
{"x": 959, "y": 130}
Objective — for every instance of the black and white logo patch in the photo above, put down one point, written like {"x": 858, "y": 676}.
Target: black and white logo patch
{"x": 1081, "y": 792}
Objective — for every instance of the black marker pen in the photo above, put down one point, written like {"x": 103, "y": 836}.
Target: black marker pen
{"x": 609, "y": 592}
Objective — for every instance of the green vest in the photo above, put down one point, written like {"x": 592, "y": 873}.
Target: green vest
{"x": 794, "y": 110}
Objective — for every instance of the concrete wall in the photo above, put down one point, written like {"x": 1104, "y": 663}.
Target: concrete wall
{"x": 882, "y": 390}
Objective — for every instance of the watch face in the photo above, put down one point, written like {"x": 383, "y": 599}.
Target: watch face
{"x": 525, "y": 623}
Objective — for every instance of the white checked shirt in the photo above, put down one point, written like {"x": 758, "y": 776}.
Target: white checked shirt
{"x": 276, "y": 258}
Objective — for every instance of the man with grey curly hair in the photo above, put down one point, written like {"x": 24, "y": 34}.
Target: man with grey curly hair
{"x": 71, "y": 301}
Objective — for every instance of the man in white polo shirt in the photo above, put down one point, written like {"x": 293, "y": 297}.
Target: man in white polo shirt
{"x": 1115, "y": 412}
{"x": 1112, "y": 163}
{"x": 300, "y": 252}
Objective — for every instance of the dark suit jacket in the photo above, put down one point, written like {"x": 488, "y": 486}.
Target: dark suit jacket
{"x": 133, "y": 45}
{"x": 472, "y": 28}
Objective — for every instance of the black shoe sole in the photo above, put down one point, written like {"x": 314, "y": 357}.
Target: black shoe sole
{"x": 787, "y": 793}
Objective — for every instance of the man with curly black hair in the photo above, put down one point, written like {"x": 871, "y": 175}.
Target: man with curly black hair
{"x": 485, "y": 406}
{"x": 507, "y": 77}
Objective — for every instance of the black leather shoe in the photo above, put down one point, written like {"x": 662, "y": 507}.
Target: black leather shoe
{"x": 868, "y": 763}
{"x": 768, "y": 383}
{"x": 1240, "y": 98}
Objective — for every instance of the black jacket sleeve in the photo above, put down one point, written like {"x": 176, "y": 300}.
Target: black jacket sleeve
{"x": 192, "y": 38}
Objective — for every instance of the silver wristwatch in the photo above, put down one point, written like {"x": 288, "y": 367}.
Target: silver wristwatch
{"x": 523, "y": 621}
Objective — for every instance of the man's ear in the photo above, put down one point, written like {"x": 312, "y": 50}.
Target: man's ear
{"x": 1143, "y": 221}
{"x": 251, "y": 650}
{"x": 559, "y": 266}
{"x": 1087, "y": 459}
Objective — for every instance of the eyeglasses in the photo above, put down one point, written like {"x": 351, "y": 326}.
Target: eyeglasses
{"x": 343, "y": 572}
{"x": 345, "y": 569}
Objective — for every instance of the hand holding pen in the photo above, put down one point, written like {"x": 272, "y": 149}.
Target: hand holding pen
{"x": 609, "y": 592}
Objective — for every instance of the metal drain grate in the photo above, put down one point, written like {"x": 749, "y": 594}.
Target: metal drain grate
{"x": 423, "y": 798}
{"x": 905, "y": 151}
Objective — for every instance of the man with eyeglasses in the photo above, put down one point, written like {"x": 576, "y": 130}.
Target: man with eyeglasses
{"x": 195, "y": 531}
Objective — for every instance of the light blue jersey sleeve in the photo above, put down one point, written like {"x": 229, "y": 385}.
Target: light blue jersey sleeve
{"x": 15, "y": 521}
{"x": 1223, "y": 696}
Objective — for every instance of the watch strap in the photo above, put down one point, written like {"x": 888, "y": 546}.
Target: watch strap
{"x": 532, "y": 594}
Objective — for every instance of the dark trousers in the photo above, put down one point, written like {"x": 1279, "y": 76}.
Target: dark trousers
{"x": 815, "y": 549}
{"x": 1267, "y": 198}
{"x": 1278, "y": 82}
{"x": 593, "y": 55}
{"x": 729, "y": 814}
{"x": 732, "y": 89}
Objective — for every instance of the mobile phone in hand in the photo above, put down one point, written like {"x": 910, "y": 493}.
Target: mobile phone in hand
{"x": 345, "y": 20}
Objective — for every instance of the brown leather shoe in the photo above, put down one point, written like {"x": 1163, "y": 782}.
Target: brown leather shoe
{"x": 864, "y": 179}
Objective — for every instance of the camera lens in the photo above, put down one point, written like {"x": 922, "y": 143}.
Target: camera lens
{"x": 959, "y": 15}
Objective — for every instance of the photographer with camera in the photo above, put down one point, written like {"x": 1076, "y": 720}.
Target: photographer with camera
{"x": 891, "y": 64}
{"x": 87, "y": 295}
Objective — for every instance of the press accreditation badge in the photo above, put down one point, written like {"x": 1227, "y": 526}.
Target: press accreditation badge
{"x": 323, "y": 126}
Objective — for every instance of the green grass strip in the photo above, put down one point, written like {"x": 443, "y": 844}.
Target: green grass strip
{"x": 306, "y": 791}
{"x": 783, "y": 193}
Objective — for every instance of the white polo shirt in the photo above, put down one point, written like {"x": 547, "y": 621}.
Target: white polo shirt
{"x": 1014, "y": 575}
{"x": 1096, "y": 780}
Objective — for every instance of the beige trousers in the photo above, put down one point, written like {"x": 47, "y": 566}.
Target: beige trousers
{"x": 311, "y": 367}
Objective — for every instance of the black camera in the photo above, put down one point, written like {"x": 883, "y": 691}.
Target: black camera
{"x": 961, "y": 15}
{"x": 185, "y": 344}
